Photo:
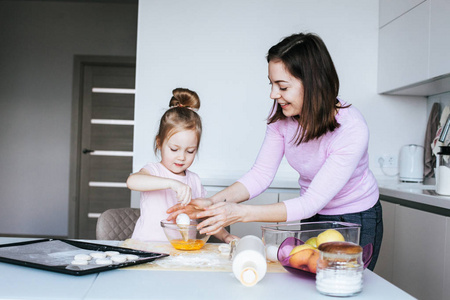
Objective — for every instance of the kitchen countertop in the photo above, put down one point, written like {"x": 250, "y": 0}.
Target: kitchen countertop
{"x": 415, "y": 194}
{"x": 19, "y": 282}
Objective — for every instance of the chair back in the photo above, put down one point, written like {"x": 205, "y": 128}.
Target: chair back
{"x": 117, "y": 223}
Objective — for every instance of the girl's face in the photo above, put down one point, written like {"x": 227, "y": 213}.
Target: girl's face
{"x": 178, "y": 152}
{"x": 286, "y": 89}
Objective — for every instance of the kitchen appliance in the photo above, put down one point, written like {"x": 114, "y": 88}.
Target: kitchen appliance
{"x": 411, "y": 163}
{"x": 443, "y": 171}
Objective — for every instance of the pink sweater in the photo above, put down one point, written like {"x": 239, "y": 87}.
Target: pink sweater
{"x": 155, "y": 203}
{"x": 334, "y": 169}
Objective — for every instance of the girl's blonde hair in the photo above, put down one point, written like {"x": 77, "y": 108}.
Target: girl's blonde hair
{"x": 180, "y": 116}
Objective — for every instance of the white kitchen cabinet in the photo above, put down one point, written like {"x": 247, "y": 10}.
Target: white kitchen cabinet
{"x": 390, "y": 10}
{"x": 414, "y": 47}
{"x": 446, "y": 278}
{"x": 439, "y": 37}
{"x": 385, "y": 262}
{"x": 419, "y": 253}
{"x": 403, "y": 50}
{"x": 415, "y": 252}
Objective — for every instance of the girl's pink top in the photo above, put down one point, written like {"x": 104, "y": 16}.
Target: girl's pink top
{"x": 334, "y": 175}
{"x": 154, "y": 204}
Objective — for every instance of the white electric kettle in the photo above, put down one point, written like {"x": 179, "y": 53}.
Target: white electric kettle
{"x": 410, "y": 163}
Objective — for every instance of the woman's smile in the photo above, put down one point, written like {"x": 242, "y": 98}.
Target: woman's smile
{"x": 286, "y": 89}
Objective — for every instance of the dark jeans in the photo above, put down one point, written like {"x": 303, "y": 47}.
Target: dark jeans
{"x": 371, "y": 222}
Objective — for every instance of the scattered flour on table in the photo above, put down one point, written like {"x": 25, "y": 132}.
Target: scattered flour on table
{"x": 192, "y": 260}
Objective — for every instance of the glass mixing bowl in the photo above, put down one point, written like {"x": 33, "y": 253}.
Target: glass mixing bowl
{"x": 185, "y": 238}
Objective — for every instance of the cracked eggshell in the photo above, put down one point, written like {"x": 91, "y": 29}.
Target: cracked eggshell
{"x": 183, "y": 219}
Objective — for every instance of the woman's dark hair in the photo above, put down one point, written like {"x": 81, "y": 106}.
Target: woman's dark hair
{"x": 180, "y": 116}
{"x": 306, "y": 58}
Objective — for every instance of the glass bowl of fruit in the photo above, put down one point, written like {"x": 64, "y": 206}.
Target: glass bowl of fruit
{"x": 295, "y": 244}
{"x": 184, "y": 236}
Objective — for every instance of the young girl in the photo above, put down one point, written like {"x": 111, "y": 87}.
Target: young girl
{"x": 164, "y": 184}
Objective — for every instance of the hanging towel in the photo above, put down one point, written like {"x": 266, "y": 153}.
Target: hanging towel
{"x": 430, "y": 134}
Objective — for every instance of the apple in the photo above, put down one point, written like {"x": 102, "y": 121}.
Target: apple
{"x": 312, "y": 262}
{"x": 300, "y": 248}
{"x": 305, "y": 260}
{"x": 330, "y": 235}
{"x": 312, "y": 241}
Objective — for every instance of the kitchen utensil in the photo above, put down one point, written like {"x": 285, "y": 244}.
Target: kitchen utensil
{"x": 249, "y": 261}
{"x": 187, "y": 238}
{"x": 411, "y": 163}
{"x": 445, "y": 129}
{"x": 443, "y": 171}
{"x": 57, "y": 254}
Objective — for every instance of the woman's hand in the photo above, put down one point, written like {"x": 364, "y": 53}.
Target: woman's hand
{"x": 219, "y": 216}
{"x": 183, "y": 191}
{"x": 192, "y": 209}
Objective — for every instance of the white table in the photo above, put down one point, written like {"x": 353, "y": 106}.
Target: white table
{"x": 18, "y": 282}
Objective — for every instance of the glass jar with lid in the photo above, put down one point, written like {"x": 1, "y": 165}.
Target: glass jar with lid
{"x": 340, "y": 269}
{"x": 443, "y": 171}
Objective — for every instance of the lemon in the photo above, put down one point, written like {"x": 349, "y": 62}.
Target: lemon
{"x": 330, "y": 235}
{"x": 312, "y": 241}
{"x": 300, "y": 248}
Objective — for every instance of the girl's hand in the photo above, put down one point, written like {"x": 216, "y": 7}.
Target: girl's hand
{"x": 228, "y": 238}
{"x": 219, "y": 216}
{"x": 192, "y": 209}
{"x": 183, "y": 192}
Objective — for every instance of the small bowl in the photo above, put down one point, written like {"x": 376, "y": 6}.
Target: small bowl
{"x": 192, "y": 239}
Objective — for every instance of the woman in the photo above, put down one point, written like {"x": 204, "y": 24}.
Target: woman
{"x": 323, "y": 138}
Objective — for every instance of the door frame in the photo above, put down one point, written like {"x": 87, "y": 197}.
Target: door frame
{"x": 80, "y": 61}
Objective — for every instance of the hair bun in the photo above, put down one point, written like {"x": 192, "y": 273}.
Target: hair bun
{"x": 184, "y": 98}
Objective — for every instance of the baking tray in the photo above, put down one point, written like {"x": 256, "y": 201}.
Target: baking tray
{"x": 56, "y": 255}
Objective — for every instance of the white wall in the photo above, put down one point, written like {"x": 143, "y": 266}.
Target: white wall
{"x": 38, "y": 42}
{"x": 219, "y": 51}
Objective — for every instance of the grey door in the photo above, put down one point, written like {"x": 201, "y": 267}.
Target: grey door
{"x": 105, "y": 145}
